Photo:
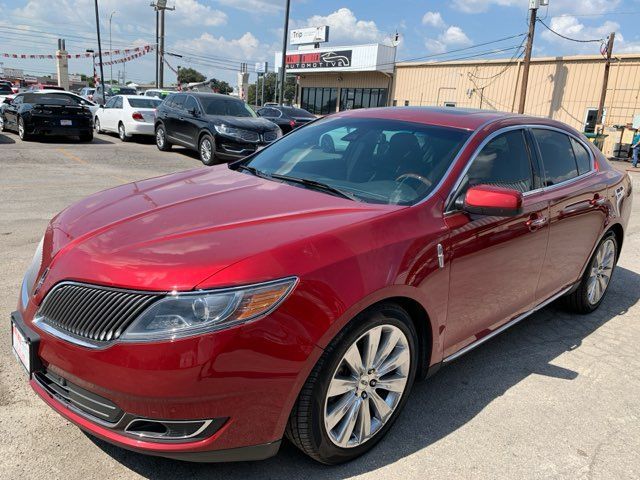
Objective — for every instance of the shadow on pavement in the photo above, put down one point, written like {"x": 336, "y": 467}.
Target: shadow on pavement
{"x": 437, "y": 406}
{"x": 54, "y": 140}
{"x": 6, "y": 139}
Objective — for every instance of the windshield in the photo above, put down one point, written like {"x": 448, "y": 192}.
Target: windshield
{"x": 144, "y": 102}
{"x": 374, "y": 160}
{"x": 4, "y": 89}
{"x": 51, "y": 99}
{"x": 228, "y": 107}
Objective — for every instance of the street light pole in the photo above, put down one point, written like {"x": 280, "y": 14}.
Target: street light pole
{"x": 111, "y": 49}
{"x": 283, "y": 66}
{"x": 100, "y": 50}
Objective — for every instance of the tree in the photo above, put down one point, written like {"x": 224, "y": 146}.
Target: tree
{"x": 270, "y": 89}
{"x": 190, "y": 75}
{"x": 220, "y": 86}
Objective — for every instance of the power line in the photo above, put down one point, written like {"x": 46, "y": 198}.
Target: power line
{"x": 599, "y": 40}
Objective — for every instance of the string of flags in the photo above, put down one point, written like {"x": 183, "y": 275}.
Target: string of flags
{"x": 136, "y": 51}
{"x": 128, "y": 58}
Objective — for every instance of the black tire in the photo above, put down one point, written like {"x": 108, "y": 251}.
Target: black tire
{"x": 122, "y": 133}
{"x": 96, "y": 125}
{"x": 161, "y": 139}
{"x": 22, "y": 131}
{"x": 2, "y": 127}
{"x": 306, "y": 426}
{"x": 207, "y": 150}
{"x": 86, "y": 137}
{"x": 578, "y": 301}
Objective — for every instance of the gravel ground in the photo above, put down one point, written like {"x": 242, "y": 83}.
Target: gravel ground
{"x": 557, "y": 396}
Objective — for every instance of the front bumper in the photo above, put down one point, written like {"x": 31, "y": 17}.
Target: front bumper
{"x": 245, "y": 379}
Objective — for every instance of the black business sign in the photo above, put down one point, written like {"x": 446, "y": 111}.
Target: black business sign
{"x": 334, "y": 59}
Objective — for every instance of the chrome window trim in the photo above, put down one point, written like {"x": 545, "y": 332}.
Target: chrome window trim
{"x": 456, "y": 186}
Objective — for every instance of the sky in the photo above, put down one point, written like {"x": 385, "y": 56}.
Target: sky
{"x": 214, "y": 36}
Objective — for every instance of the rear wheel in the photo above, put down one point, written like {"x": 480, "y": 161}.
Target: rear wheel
{"x": 2, "y": 128}
{"x": 161, "y": 139}
{"x": 595, "y": 281}
{"x": 207, "y": 150}
{"x": 86, "y": 137}
{"x": 22, "y": 131}
{"x": 358, "y": 387}
{"x": 122, "y": 132}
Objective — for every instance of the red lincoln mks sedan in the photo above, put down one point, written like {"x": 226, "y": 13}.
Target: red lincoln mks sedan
{"x": 206, "y": 315}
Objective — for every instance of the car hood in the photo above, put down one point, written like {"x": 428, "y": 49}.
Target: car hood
{"x": 250, "y": 123}
{"x": 173, "y": 232}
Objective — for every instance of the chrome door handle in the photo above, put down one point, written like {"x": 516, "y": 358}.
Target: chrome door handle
{"x": 598, "y": 201}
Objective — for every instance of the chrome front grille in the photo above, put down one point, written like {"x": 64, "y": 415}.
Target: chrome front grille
{"x": 99, "y": 314}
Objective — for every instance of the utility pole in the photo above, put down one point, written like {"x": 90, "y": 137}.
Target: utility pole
{"x": 160, "y": 7}
{"x": 605, "y": 80}
{"x": 100, "y": 51}
{"x": 533, "y": 15}
{"x": 285, "y": 36}
{"x": 111, "y": 48}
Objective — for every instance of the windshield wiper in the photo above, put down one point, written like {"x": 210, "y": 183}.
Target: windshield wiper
{"x": 253, "y": 171}
{"x": 317, "y": 186}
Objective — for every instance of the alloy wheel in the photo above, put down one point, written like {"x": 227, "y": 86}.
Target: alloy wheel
{"x": 121, "y": 132}
{"x": 601, "y": 270}
{"x": 205, "y": 150}
{"x": 367, "y": 386}
{"x": 160, "y": 137}
{"x": 21, "y": 128}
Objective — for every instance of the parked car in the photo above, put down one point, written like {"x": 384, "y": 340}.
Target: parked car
{"x": 43, "y": 86}
{"x": 127, "y": 116}
{"x": 287, "y": 118}
{"x": 101, "y": 97}
{"x": 6, "y": 90}
{"x": 157, "y": 93}
{"x": 31, "y": 114}
{"x": 206, "y": 314}
{"x": 87, "y": 93}
{"x": 92, "y": 106}
{"x": 219, "y": 127}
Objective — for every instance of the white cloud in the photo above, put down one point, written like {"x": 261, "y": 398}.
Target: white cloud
{"x": 555, "y": 7}
{"x": 453, "y": 36}
{"x": 193, "y": 13}
{"x": 246, "y": 46}
{"x": 253, "y": 6}
{"x": 571, "y": 27}
{"x": 345, "y": 27}
{"x": 433, "y": 19}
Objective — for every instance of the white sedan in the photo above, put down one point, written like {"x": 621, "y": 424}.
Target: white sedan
{"x": 127, "y": 115}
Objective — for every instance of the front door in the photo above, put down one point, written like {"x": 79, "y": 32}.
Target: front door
{"x": 495, "y": 261}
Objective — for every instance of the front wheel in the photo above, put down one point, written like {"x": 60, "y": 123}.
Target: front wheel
{"x": 595, "y": 281}
{"x": 96, "y": 124}
{"x": 358, "y": 387}
{"x": 207, "y": 150}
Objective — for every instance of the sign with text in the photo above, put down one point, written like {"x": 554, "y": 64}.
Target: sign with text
{"x": 305, "y": 36}
{"x": 335, "y": 59}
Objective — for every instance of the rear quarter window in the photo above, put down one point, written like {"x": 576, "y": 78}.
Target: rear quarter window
{"x": 583, "y": 158}
{"x": 557, "y": 156}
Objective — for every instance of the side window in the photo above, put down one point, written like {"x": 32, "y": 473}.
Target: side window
{"x": 503, "y": 162}
{"x": 110, "y": 102}
{"x": 118, "y": 102}
{"x": 178, "y": 102}
{"x": 191, "y": 104}
{"x": 557, "y": 156}
{"x": 583, "y": 159}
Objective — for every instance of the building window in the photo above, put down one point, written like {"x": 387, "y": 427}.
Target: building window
{"x": 354, "y": 98}
{"x": 406, "y": 103}
{"x": 395, "y": 103}
{"x": 590, "y": 120}
{"x": 319, "y": 101}
{"x": 449, "y": 104}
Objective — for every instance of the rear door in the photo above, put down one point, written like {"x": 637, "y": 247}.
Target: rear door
{"x": 190, "y": 122}
{"x": 577, "y": 197}
{"x": 496, "y": 261}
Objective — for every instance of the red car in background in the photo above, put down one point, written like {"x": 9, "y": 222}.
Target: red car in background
{"x": 207, "y": 314}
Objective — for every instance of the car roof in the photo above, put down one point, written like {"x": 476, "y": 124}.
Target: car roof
{"x": 454, "y": 117}
{"x": 143, "y": 97}
{"x": 220, "y": 96}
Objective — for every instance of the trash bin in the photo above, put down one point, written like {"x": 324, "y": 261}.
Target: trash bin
{"x": 597, "y": 139}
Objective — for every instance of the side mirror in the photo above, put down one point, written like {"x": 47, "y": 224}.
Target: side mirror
{"x": 493, "y": 201}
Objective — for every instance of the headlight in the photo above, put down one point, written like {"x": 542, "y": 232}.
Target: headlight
{"x": 31, "y": 275}
{"x": 239, "y": 133}
{"x": 187, "y": 314}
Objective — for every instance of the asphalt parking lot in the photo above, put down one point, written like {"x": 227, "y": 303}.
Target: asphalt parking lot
{"x": 557, "y": 396}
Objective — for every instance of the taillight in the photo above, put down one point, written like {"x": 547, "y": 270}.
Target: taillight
{"x": 137, "y": 116}
{"x": 292, "y": 123}
{"x": 90, "y": 97}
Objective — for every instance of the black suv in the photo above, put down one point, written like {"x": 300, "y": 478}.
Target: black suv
{"x": 221, "y": 128}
